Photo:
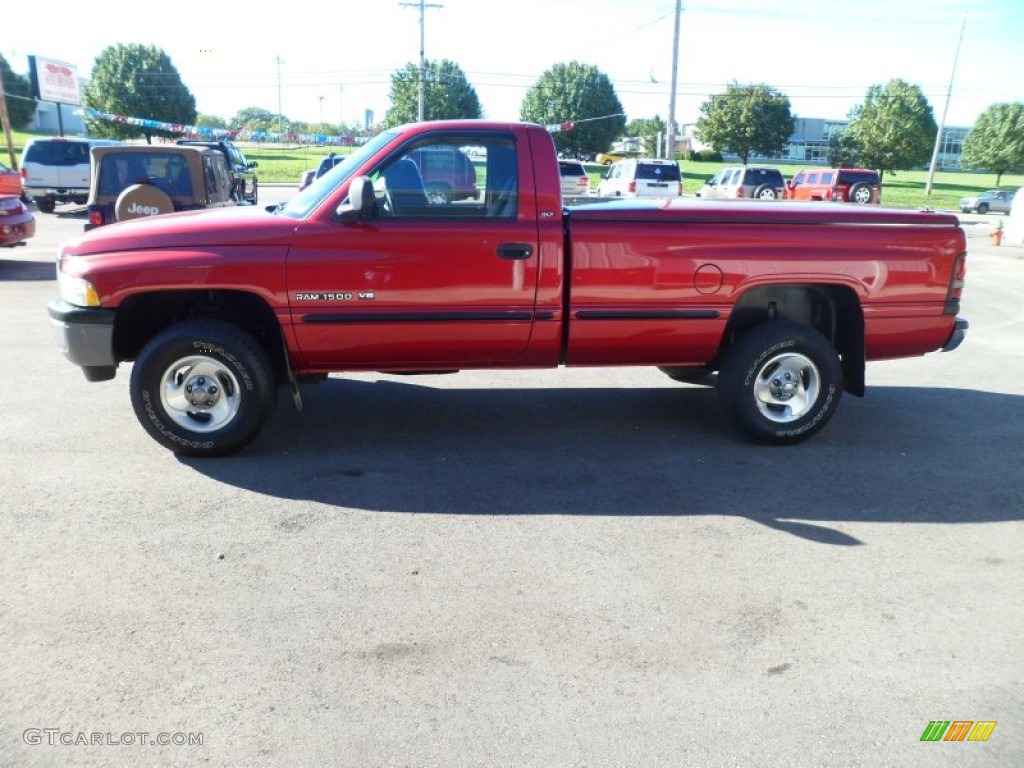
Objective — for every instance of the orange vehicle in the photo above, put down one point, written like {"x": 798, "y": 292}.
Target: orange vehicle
{"x": 846, "y": 185}
{"x": 10, "y": 182}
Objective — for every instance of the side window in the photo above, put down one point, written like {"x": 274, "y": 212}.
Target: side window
{"x": 222, "y": 173}
{"x": 450, "y": 176}
{"x": 798, "y": 179}
{"x": 736, "y": 176}
{"x": 211, "y": 177}
{"x": 826, "y": 178}
{"x": 812, "y": 178}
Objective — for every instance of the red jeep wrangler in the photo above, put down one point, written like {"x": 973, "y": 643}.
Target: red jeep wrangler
{"x": 846, "y": 185}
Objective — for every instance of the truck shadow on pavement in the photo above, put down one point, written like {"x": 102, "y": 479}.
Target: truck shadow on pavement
{"x": 904, "y": 455}
{"x": 13, "y": 270}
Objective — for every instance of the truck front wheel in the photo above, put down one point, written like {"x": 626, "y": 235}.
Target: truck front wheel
{"x": 203, "y": 388}
{"x": 780, "y": 383}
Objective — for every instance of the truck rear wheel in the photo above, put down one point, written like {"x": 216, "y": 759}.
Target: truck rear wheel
{"x": 203, "y": 388}
{"x": 780, "y": 383}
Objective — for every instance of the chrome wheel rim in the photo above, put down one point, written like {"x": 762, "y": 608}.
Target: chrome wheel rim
{"x": 786, "y": 387}
{"x": 200, "y": 394}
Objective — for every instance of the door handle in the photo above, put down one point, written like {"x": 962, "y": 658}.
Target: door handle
{"x": 515, "y": 251}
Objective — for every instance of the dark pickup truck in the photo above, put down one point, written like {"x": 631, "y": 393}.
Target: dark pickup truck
{"x": 363, "y": 271}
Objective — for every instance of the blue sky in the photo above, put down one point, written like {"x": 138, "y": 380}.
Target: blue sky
{"x": 822, "y": 54}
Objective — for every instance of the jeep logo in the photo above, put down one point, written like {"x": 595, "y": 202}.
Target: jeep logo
{"x": 145, "y": 210}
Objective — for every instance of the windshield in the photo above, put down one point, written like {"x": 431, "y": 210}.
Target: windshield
{"x": 308, "y": 199}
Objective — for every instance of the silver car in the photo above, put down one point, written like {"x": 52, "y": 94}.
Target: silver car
{"x": 995, "y": 200}
{"x": 745, "y": 181}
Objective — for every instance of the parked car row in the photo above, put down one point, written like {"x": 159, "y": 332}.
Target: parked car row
{"x": 58, "y": 170}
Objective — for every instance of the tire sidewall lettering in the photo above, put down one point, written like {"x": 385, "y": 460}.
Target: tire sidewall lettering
{"x": 752, "y": 371}
{"x": 212, "y": 349}
{"x": 826, "y": 405}
{"x": 154, "y": 419}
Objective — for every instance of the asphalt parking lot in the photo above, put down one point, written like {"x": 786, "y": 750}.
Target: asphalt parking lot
{"x": 548, "y": 568}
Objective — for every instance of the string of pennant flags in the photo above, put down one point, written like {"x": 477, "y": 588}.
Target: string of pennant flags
{"x": 221, "y": 133}
{"x": 264, "y": 136}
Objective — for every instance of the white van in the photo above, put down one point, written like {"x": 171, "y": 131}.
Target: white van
{"x": 56, "y": 170}
{"x": 1013, "y": 231}
{"x": 642, "y": 177}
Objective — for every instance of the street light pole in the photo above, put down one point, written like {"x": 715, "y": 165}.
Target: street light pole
{"x": 422, "y": 85}
{"x": 670, "y": 139}
{"x": 945, "y": 109}
{"x": 279, "y": 94}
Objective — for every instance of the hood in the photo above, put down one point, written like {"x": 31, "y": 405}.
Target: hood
{"x": 237, "y": 226}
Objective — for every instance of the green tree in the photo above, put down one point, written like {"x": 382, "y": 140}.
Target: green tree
{"x": 996, "y": 142}
{"x": 17, "y": 91}
{"x": 746, "y": 120}
{"x": 648, "y": 129}
{"x": 258, "y": 119}
{"x": 447, "y": 94}
{"x": 211, "y": 121}
{"x": 580, "y": 94}
{"x": 137, "y": 81}
{"x": 894, "y": 129}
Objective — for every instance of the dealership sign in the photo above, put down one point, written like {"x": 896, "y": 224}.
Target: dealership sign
{"x": 54, "y": 80}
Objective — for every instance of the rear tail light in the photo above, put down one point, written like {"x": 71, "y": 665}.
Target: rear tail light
{"x": 583, "y": 182}
{"x": 632, "y": 187}
{"x": 956, "y": 285}
{"x": 96, "y": 217}
{"x": 679, "y": 188}
{"x": 739, "y": 191}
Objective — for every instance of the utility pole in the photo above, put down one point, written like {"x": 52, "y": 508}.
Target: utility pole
{"x": 341, "y": 108}
{"x": 279, "y": 96}
{"x": 6, "y": 121}
{"x": 422, "y": 6}
{"x": 945, "y": 109}
{"x": 321, "y": 113}
{"x": 670, "y": 139}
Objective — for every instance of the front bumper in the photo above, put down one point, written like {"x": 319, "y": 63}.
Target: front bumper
{"x": 958, "y": 335}
{"x": 85, "y": 336}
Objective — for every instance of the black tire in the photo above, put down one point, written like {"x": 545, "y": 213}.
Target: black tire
{"x": 780, "y": 383}
{"x": 765, "y": 192}
{"x": 207, "y": 359}
{"x": 46, "y": 204}
{"x": 254, "y": 197}
{"x": 861, "y": 193}
{"x": 983, "y": 208}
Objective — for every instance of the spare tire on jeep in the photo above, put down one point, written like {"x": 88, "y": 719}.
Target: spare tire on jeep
{"x": 140, "y": 200}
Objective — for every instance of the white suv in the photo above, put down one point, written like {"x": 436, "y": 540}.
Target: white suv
{"x": 642, "y": 177}
{"x": 57, "y": 170}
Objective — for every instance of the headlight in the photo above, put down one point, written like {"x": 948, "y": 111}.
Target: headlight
{"x": 75, "y": 290}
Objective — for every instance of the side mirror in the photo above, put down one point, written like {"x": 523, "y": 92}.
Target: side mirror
{"x": 254, "y": 164}
{"x": 360, "y": 200}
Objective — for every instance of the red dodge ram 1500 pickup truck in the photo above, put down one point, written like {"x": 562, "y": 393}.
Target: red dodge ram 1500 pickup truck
{"x": 364, "y": 271}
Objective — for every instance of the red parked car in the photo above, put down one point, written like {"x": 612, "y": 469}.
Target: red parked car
{"x": 10, "y": 182}
{"x": 17, "y": 224}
